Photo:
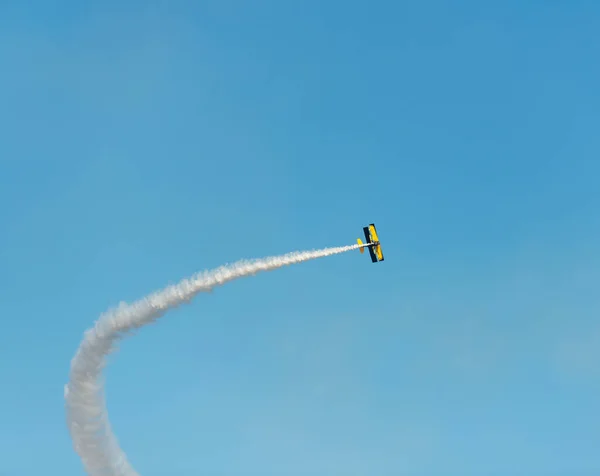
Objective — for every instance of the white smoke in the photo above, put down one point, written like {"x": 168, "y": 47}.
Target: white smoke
{"x": 87, "y": 416}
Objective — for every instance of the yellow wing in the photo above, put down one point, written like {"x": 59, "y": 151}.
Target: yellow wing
{"x": 373, "y": 232}
{"x": 375, "y": 239}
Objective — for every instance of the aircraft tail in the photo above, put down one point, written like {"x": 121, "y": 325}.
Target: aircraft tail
{"x": 361, "y": 249}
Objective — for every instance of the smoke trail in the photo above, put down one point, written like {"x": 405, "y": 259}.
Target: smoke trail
{"x": 87, "y": 417}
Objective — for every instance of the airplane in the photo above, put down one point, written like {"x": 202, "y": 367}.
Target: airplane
{"x": 372, "y": 243}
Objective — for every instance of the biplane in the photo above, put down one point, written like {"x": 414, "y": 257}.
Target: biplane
{"x": 372, "y": 243}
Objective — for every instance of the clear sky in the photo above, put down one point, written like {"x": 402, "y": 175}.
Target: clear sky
{"x": 145, "y": 141}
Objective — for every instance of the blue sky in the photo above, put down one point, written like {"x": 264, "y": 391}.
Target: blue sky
{"x": 142, "y": 142}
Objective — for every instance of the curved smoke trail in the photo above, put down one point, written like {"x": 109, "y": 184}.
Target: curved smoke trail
{"x": 87, "y": 416}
